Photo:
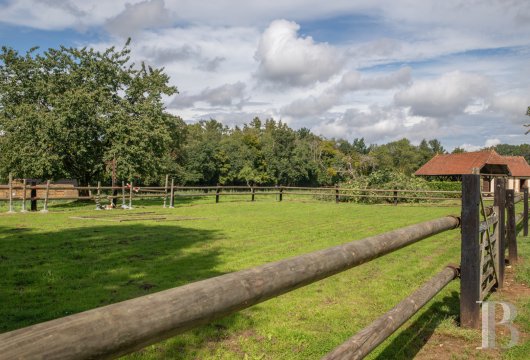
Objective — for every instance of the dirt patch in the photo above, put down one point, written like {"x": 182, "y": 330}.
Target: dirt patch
{"x": 146, "y": 286}
{"x": 443, "y": 346}
{"x": 134, "y": 217}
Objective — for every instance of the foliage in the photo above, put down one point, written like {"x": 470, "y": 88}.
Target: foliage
{"x": 445, "y": 185}
{"x": 514, "y": 150}
{"x": 382, "y": 180}
{"x": 70, "y": 112}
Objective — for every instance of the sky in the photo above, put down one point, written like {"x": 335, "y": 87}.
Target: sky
{"x": 457, "y": 71}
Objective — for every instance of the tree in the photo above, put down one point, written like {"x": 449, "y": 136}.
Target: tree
{"x": 399, "y": 156}
{"x": 67, "y": 112}
{"x": 458, "y": 150}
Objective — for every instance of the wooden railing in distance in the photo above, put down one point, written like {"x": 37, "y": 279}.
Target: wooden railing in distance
{"x": 121, "y": 328}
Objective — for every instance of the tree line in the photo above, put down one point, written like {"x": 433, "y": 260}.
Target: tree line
{"x": 93, "y": 115}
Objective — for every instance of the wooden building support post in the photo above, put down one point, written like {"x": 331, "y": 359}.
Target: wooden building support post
{"x": 525, "y": 214}
{"x": 172, "y": 194}
{"x": 511, "y": 227}
{"x": 337, "y": 193}
{"x": 165, "y": 190}
{"x": 500, "y": 202}
{"x": 470, "y": 253}
{"x": 98, "y": 196}
{"x": 217, "y": 192}
{"x": 11, "y": 194}
{"x": 395, "y": 197}
{"x": 23, "y": 196}
{"x": 46, "y": 196}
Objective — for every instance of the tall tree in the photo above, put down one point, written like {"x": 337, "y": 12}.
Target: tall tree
{"x": 67, "y": 112}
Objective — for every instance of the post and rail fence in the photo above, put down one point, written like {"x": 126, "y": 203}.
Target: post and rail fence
{"x": 114, "y": 330}
{"x": 48, "y": 191}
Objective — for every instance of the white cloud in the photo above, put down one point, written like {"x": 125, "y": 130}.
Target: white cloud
{"x": 377, "y": 124}
{"x": 492, "y": 142}
{"x": 444, "y": 96}
{"x": 487, "y": 144}
{"x": 143, "y": 15}
{"x": 514, "y": 106}
{"x": 349, "y": 82}
{"x": 224, "y": 95}
{"x": 287, "y": 59}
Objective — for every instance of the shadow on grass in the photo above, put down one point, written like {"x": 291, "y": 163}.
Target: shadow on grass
{"x": 411, "y": 340}
{"x": 52, "y": 274}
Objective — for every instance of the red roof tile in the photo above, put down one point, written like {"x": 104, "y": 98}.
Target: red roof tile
{"x": 464, "y": 163}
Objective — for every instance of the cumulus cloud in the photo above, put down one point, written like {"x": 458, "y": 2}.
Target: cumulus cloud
{"x": 377, "y": 124}
{"x": 350, "y": 81}
{"x": 143, "y": 15}
{"x": 444, "y": 96}
{"x": 224, "y": 95}
{"x": 287, "y": 59}
{"x": 514, "y": 106}
{"x": 487, "y": 144}
{"x": 162, "y": 55}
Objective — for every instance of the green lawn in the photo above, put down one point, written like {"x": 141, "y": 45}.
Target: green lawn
{"x": 64, "y": 262}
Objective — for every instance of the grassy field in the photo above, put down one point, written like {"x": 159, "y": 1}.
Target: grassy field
{"x": 74, "y": 258}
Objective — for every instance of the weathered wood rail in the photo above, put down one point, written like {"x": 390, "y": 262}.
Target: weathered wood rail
{"x": 124, "y": 327}
{"x": 111, "y": 194}
{"x": 117, "y": 329}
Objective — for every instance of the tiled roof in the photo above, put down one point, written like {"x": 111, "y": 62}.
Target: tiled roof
{"x": 464, "y": 163}
{"x": 518, "y": 166}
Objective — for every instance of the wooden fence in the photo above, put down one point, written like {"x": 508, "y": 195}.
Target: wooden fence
{"x": 110, "y": 196}
{"x": 121, "y": 328}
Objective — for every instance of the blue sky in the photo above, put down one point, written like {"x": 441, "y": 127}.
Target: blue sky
{"x": 454, "y": 70}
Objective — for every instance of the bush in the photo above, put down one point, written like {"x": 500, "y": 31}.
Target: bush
{"x": 385, "y": 180}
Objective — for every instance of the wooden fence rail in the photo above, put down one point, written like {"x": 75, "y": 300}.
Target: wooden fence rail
{"x": 100, "y": 193}
{"x": 362, "y": 343}
{"x": 121, "y": 328}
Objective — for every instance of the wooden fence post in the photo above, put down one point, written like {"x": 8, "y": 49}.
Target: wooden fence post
{"x": 165, "y": 190}
{"x": 98, "y": 197}
{"x": 470, "y": 253}
{"x": 500, "y": 201}
{"x": 131, "y": 194}
{"x": 23, "y": 196}
{"x": 46, "y": 195}
{"x": 253, "y": 193}
{"x": 33, "y": 196}
{"x": 123, "y": 204}
{"x": 511, "y": 226}
{"x": 172, "y": 194}
{"x": 217, "y": 192}
{"x": 396, "y": 197}
{"x": 11, "y": 193}
{"x": 337, "y": 193}
{"x": 525, "y": 213}
{"x": 281, "y": 192}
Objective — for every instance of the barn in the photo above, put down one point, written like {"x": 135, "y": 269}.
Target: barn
{"x": 488, "y": 163}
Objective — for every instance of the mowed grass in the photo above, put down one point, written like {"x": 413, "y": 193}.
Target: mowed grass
{"x": 64, "y": 262}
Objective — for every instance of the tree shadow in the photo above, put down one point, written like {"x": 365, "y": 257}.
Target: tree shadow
{"x": 411, "y": 340}
{"x": 46, "y": 275}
